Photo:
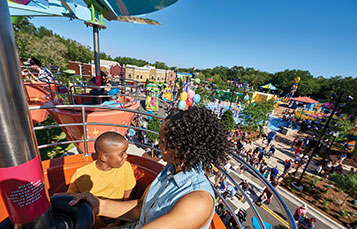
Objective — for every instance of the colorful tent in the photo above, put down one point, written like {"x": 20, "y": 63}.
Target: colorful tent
{"x": 304, "y": 99}
{"x": 269, "y": 86}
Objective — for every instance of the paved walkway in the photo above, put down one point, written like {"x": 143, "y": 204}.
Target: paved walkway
{"x": 282, "y": 153}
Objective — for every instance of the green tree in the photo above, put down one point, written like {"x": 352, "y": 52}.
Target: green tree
{"x": 132, "y": 61}
{"x": 48, "y": 49}
{"x": 348, "y": 183}
{"x": 160, "y": 65}
{"x": 339, "y": 124}
{"x": 227, "y": 120}
{"x": 255, "y": 115}
{"x": 104, "y": 56}
{"x": 153, "y": 125}
{"x": 201, "y": 76}
{"x": 77, "y": 51}
{"x": 204, "y": 93}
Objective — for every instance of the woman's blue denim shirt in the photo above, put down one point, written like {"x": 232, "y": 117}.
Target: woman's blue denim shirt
{"x": 167, "y": 188}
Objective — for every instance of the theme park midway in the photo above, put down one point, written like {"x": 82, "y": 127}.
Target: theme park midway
{"x": 292, "y": 163}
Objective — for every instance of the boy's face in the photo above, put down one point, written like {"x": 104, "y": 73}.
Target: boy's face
{"x": 116, "y": 155}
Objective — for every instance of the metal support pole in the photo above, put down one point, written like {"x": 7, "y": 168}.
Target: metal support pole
{"x": 320, "y": 137}
{"x": 84, "y": 125}
{"x": 96, "y": 53}
{"x": 20, "y": 164}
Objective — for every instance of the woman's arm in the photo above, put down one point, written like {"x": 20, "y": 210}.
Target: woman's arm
{"x": 193, "y": 210}
{"x": 127, "y": 210}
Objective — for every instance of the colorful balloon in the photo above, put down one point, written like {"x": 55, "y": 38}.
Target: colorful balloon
{"x": 181, "y": 105}
{"x": 189, "y": 102}
{"x": 196, "y": 98}
{"x": 190, "y": 94}
{"x": 183, "y": 96}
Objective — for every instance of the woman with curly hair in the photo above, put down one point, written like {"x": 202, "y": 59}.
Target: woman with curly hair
{"x": 180, "y": 196}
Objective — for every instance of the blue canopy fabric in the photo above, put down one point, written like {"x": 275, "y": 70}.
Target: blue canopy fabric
{"x": 269, "y": 86}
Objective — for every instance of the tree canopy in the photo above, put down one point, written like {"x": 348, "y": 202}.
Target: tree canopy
{"x": 227, "y": 120}
{"x": 255, "y": 115}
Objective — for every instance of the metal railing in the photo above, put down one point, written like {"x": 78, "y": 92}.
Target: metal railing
{"x": 233, "y": 156}
{"x": 66, "y": 92}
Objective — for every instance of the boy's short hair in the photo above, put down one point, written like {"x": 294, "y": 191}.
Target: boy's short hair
{"x": 106, "y": 140}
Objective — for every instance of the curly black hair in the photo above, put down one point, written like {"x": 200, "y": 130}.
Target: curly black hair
{"x": 197, "y": 135}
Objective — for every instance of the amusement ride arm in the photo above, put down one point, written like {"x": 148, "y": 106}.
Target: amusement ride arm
{"x": 193, "y": 210}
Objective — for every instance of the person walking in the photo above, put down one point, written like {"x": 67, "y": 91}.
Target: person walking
{"x": 287, "y": 166}
{"x": 302, "y": 210}
{"x": 274, "y": 173}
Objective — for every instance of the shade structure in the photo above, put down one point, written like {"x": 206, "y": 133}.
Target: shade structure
{"x": 304, "y": 99}
{"x": 269, "y": 86}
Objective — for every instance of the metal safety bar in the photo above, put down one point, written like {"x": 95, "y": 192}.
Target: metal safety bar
{"x": 71, "y": 92}
{"x": 228, "y": 206}
{"x": 258, "y": 175}
{"x": 251, "y": 204}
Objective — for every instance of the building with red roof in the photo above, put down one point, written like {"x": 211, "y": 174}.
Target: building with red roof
{"x": 305, "y": 102}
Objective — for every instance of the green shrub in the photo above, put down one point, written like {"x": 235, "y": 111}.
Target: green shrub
{"x": 325, "y": 203}
{"x": 307, "y": 188}
{"x": 154, "y": 125}
{"x": 315, "y": 180}
{"x": 314, "y": 202}
{"x": 343, "y": 213}
{"x": 227, "y": 120}
{"x": 346, "y": 183}
{"x": 302, "y": 195}
{"x": 317, "y": 195}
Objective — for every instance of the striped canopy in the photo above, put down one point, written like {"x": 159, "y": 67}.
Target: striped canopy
{"x": 269, "y": 86}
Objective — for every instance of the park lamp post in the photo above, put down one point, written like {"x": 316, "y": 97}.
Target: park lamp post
{"x": 319, "y": 143}
{"x": 174, "y": 93}
{"x": 234, "y": 84}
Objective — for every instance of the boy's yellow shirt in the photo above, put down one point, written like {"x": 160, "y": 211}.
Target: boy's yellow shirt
{"x": 107, "y": 184}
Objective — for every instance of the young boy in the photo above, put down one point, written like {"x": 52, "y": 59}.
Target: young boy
{"x": 110, "y": 176}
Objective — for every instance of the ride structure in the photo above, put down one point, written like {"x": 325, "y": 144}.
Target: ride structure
{"x": 292, "y": 90}
{"x": 92, "y": 14}
{"x": 152, "y": 97}
{"x": 36, "y": 95}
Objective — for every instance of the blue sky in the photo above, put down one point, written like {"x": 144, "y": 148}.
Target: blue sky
{"x": 269, "y": 35}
